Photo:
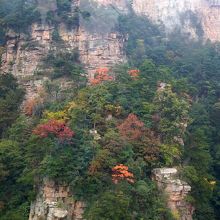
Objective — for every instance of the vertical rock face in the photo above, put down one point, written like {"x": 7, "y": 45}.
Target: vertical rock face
{"x": 176, "y": 191}
{"x": 100, "y": 50}
{"x": 188, "y": 15}
{"x": 55, "y": 202}
{"x": 23, "y": 54}
{"x": 211, "y": 23}
{"x": 95, "y": 49}
{"x": 98, "y": 43}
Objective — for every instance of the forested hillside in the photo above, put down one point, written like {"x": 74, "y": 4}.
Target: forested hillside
{"x": 103, "y": 136}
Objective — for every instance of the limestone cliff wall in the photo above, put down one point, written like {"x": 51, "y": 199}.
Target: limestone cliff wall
{"x": 98, "y": 42}
{"x": 101, "y": 47}
{"x": 55, "y": 202}
{"x": 96, "y": 49}
{"x": 176, "y": 13}
{"x": 175, "y": 190}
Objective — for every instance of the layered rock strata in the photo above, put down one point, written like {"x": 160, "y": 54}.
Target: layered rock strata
{"x": 55, "y": 202}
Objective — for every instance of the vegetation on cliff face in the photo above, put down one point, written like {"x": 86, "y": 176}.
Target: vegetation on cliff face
{"x": 16, "y": 15}
{"x": 105, "y": 138}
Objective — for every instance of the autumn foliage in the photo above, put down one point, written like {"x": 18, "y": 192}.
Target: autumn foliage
{"x": 29, "y": 106}
{"x": 120, "y": 172}
{"x": 101, "y": 75}
{"x": 57, "y": 128}
{"x": 134, "y": 73}
{"x": 132, "y": 128}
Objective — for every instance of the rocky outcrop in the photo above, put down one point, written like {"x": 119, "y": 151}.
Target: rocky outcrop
{"x": 176, "y": 192}
{"x": 55, "y": 202}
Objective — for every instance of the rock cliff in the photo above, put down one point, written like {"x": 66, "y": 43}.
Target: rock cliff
{"x": 98, "y": 43}
{"x": 190, "y": 16}
{"x": 55, "y": 202}
{"x": 175, "y": 190}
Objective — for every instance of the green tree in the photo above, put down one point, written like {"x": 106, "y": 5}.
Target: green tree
{"x": 11, "y": 97}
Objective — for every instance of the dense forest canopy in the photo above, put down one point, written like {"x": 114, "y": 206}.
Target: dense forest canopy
{"x": 119, "y": 121}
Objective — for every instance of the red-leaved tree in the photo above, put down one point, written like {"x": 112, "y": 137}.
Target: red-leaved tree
{"x": 120, "y": 172}
{"x": 132, "y": 128}
{"x": 101, "y": 75}
{"x": 57, "y": 128}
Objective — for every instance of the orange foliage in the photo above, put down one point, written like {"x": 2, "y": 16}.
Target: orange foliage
{"x": 29, "y": 106}
{"x": 120, "y": 172}
{"x": 31, "y": 103}
{"x": 134, "y": 73}
{"x": 132, "y": 128}
{"x": 101, "y": 75}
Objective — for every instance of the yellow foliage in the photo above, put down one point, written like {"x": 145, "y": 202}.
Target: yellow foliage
{"x": 176, "y": 215}
{"x": 60, "y": 116}
{"x": 114, "y": 109}
{"x": 70, "y": 106}
{"x": 212, "y": 183}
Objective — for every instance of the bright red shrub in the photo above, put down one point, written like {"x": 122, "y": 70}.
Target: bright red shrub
{"x": 132, "y": 128}
{"x": 120, "y": 172}
{"x": 55, "y": 127}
